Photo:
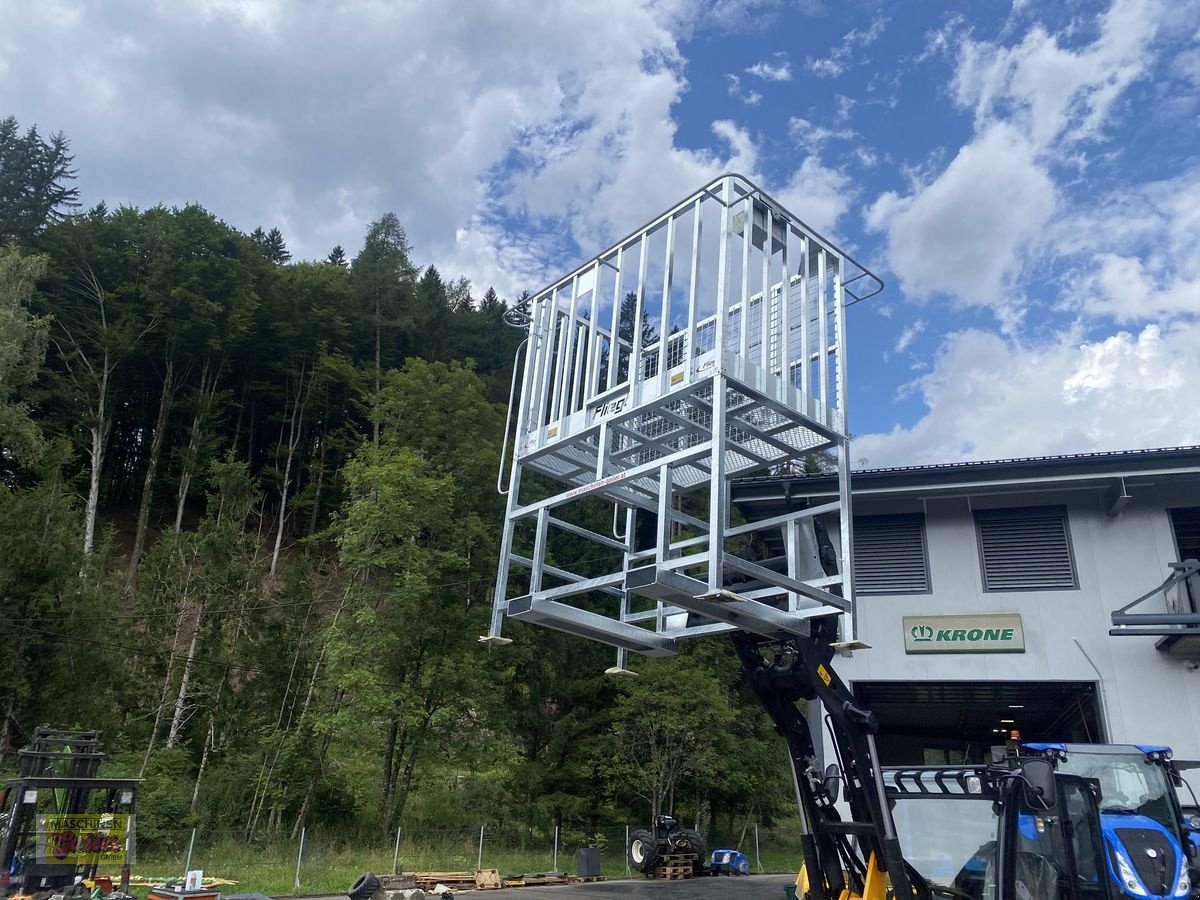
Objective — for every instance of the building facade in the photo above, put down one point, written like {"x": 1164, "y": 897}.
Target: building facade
{"x": 986, "y": 593}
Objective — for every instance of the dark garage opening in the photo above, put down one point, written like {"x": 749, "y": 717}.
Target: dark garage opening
{"x": 950, "y": 722}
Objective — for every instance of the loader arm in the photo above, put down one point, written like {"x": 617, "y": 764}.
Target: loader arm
{"x": 833, "y": 862}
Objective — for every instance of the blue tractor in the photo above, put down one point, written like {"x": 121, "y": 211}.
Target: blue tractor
{"x": 1147, "y": 848}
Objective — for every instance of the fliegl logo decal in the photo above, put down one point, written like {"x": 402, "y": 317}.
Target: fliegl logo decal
{"x": 921, "y": 633}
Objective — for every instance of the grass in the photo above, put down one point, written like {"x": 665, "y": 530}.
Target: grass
{"x": 331, "y": 867}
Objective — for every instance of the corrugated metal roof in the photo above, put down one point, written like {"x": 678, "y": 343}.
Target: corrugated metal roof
{"x": 1146, "y": 455}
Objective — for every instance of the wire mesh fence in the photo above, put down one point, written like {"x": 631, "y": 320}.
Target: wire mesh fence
{"x": 326, "y": 861}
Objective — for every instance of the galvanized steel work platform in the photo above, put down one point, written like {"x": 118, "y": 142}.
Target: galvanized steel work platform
{"x": 707, "y": 345}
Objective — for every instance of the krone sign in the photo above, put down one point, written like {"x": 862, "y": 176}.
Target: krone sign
{"x": 1000, "y": 633}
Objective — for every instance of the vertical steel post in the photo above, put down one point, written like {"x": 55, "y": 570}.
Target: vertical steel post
{"x": 299, "y": 859}
{"x": 805, "y": 338}
{"x": 664, "y": 318}
{"x": 716, "y": 545}
{"x": 845, "y": 495}
{"x": 627, "y": 872}
{"x": 823, "y": 337}
{"x": 635, "y": 355}
{"x": 614, "y": 336}
{"x": 765, "y": 305}
{"x": 592, "y": 366}
{"x": 479, "y": 859}
{"x": 396, "y": 853}
{"x": 187, "y": 866}
{"x": 689, "y": 349}
{"x": 757, "y": 851}
{"x": 554, "y": 867}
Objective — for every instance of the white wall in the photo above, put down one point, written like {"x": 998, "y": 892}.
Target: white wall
{"x": 1148, "y": 697}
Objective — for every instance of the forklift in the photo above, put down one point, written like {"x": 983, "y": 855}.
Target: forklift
{"x": 60, "y": 822}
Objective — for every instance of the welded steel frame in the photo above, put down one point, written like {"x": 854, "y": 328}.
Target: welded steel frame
{"x": 739, "y": 366}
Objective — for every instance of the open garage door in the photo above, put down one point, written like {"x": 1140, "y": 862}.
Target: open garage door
{"x": 949, "y": 722}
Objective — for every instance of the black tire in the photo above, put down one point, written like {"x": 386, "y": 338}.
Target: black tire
{"x": 691, "y": 842}
{"x": 364, "y": 888}
{"x": 642, "y": 851}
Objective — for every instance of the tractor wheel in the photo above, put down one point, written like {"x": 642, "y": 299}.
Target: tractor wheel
{"x": 643, "y": 851}
{"x": 690, "y": 841}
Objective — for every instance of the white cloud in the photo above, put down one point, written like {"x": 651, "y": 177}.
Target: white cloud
{"x": 971, "y": 231}
{"x": 817, "y": 194}
{"x": 750, "y": 98}
{"x": 279, "y": 116}
{"x": 780, "y": 70}
{"x": 813, "y": 137}
{"x": 992, "y": 398}
{"x": 910, "y": 333}
{"x": 963, "y": 234}
{"x": 842, "y": 57}
{"x": 1054, "y": 93}
{"x": 1146, "y": 269}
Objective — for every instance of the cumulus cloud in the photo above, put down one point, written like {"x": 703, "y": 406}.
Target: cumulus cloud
{"x": 963, "y": 234}
{"x": 989, "y": 397}
{"x": 970, "y": 231}
{"x": 1054, "y": 93}
{"x": 819, "y": 195}
{"x": 317, "y": 122}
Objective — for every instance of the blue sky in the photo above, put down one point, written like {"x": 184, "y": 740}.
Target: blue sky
{"x": 1023, "y": 176}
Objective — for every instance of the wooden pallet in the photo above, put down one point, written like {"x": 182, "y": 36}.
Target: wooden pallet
{"x": 488, "y": 880}
{"x": 537, "y": 880}
{"x": 674, "y": 866}
{"x": 460, "y": 880}
{"x": 584, "y": 879}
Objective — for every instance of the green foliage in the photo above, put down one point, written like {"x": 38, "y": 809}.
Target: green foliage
{"x": 34, "y": 177}
{"x": 163, "y": 799}
{"x": 298, "y": 645}
{"x": 23, "y": 339}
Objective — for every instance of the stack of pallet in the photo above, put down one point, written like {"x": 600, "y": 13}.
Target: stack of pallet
{"x": 455, "y": 881}
{"x": 676, "y": 865}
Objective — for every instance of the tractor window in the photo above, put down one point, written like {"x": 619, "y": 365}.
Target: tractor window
{"x": 1090, "y": 875}
{"x": 950, "y": 841}
{"x": 1129, "y": 783}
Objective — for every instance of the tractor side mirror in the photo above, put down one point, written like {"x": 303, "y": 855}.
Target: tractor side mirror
{"x": 1041, "y": 791}
{"x": 832, "y": 782}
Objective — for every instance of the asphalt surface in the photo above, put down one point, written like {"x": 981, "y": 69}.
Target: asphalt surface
{"x": 753, "y": 887}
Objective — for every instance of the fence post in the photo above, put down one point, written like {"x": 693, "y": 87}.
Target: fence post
{"x": 396, "y": 853}
{"x": 479, "y": 863}
{"x": 757, "y": 852}
{"x": 299, "y": 858}
{"x": 191, "y": 843}
{"x": 628, "y": 873}
{"x": 554, "y": 867}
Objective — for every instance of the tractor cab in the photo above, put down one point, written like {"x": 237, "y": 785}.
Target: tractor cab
{"x": 999, "y": 833}
{"x": 1147, "y": 852}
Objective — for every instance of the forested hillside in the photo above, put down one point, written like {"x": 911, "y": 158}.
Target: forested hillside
{"x": 248, "y": 530}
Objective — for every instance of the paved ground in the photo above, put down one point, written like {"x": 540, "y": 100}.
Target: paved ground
{"x": 754, "y": 887}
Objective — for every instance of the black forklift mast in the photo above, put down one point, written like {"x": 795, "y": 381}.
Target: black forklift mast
{"x": 801, "y": 670}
